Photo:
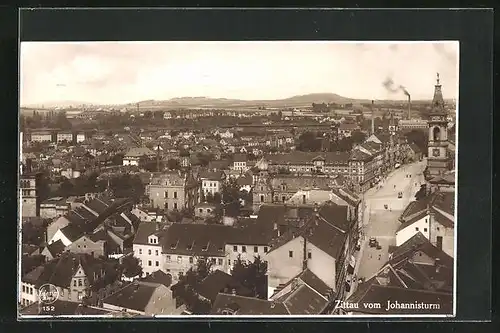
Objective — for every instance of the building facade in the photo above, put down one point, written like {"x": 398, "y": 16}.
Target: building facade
{"x": 173, "y": 191}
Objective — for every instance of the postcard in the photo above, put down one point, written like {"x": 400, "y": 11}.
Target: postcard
{"x": 244, "y": 179}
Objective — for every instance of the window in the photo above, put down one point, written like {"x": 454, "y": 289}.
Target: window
{"x": 416, "y": 228}
{"x": 140, "y": 251}
{"x": 149, "y": 262}
{"x": 261, "y": 198}
{"x": 255, "y": 249}
{"x": 74, "y": 283}
{"x": 243, "y": 249}
{"x": 166, "y": 205}
{"x": 24, "y": 289}
{"x": 229, "y": 262}
{"x": 235, "y": 248}
{"x": 283, "y": 198}
{"x": 219, "y": 262}
{"x": 179, "y": 259}
{"x": 175, "y": 195}
{"x": 265, "y": 249}
{"x": 425, "y": 229}
{"x": 309, "y": 255}
{"x": 175, "y": 205}
{"x": 290, "y": 254}
{"x": 156, "y": 252}
{"x": 157, "y": 263}
{"x": 437, "y": 228}
{"x": 149, "y": 252}
{"x": 80, "y": 283}
{"x": 166, "y": 194}
{"x": 168, "y": 258}
{"x": 200, "y": 210}
{"x": 208, "y": 210}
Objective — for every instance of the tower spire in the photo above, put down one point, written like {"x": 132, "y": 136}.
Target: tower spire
{"x": 437, "y": 101}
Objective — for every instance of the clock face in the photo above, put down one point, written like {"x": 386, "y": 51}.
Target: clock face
{"x": 435, "y": 152}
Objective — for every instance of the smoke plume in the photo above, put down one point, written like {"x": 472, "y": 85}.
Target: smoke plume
{"x": 393, "y": 88}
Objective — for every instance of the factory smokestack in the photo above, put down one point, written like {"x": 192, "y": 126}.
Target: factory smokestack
{"x": 373, "y": 119}
{"x": 409, "y": 107}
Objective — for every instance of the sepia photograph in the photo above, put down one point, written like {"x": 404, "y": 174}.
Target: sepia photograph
{"x": 243, "y": 178}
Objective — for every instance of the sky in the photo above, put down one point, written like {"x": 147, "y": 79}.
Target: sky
{"x": 126, "y": 72}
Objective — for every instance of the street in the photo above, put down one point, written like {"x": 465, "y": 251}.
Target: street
{"x": 382, "y": 223}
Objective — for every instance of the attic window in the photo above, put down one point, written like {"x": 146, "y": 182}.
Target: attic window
{"x": 205, "y": 248}
{"x": 174, "y": 245}
{"x": 190, "y": 246}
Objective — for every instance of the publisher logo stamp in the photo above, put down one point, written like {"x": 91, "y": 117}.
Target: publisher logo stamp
{"x": 48, "y": 294}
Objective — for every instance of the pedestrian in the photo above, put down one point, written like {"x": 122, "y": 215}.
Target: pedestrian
{"x": 379, "y": 257}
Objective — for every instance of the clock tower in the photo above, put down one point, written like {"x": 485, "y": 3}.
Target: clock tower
{"x": 437, "y": 157}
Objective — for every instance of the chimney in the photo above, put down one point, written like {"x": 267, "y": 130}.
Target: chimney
{"x": 437, "y": 264}
{"x": 373, "y": 118}
{"x": 409, "y": 107}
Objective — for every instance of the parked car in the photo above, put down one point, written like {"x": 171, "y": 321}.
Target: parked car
{"x": 373, "y": 242}
{"x": 400, "y": 195}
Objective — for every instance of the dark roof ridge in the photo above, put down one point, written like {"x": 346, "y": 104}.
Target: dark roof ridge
{"x": 396, "y": 274}
{"x": 417, "y": 290}
{"x": 326, "y": 221}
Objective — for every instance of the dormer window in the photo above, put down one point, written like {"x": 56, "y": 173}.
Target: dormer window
{"x": 190, "y": 246}
{"x": 205, "y": 248}
{"x": 153, "y": 240}
{"x": 173, "y": 246}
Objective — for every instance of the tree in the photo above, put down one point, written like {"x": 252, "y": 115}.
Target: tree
{"x": 358, "y": 137}
{"x": 231, "y": 198}
{"x": 62, "y": 122}
{"x": 148, "y": 115}
{"x": 252, "y": 276}
{"x": 308, "y": 141}
{"x": 117, "y": 159}
{"x": 130, "y": 266}
{"x": 209, "y": 197}
{"x": 173, "y": 164}
{"x": 186, "y": 289}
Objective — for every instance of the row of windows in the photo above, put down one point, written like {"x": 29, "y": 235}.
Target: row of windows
{"x": 201, "y": 210}
{"x": 79, "y": 282}
{"x": 175, "y": 205}
{"x": 425, "y": 229}
{"x": 166, "y": 194}
{"x": 218, "y": 261}
{"x": 157, "y": 263}
{"x": 28, "y": 290}
{"x": 157, "y": 252}
{"x": 244, "y": 249}
{"x": 209, "y": 184}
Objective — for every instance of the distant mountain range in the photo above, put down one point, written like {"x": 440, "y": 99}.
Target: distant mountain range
{"x": 208, "y": 102}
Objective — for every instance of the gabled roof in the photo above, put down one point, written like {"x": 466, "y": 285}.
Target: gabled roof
{"x": 159, "y": 277}
{"x": 212, "y": 175}
{"x": 326, "y": 233}
{"x": 147, "y": 229}
{"x": 138, "y": 152}
{"x": 419, "y": 243}
{"x": 218, "y": 282}
{"x": 134, "y": 296}
{"x": 61, "y": 270}
{"x": 412, "y": 220}
{"x": 56, "y": 248}
{"x": 246, "y": 306}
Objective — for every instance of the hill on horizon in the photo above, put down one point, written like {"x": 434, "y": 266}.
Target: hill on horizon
{"x": 202, "y": 101}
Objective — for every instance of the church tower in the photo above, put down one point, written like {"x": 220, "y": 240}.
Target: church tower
{"x": 437, "y": 157}
{"x": 262, "y": 191}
